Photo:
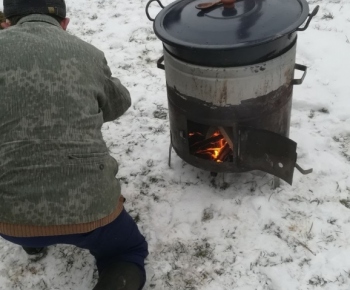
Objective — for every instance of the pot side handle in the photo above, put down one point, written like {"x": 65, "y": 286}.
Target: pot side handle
{"x": 311, "y": 15}
{"x": 147, "y": 6}
{"x": 160, "y": 63}
{"x": 301, "y": 68}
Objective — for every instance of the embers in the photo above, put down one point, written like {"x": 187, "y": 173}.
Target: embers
{"x": 211, "y": 143}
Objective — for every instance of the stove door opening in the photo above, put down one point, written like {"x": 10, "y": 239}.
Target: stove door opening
{"x": 214, "y": 143}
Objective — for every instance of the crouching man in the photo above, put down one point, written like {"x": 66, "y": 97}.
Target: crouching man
{"x": 57, "y": 179}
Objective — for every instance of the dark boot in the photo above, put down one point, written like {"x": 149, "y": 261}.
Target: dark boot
{"x": 35, "y": 254}
{"x": 121, "y": 276}
{"x": 33, "y": 251}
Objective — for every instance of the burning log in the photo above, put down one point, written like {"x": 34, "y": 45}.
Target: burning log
{"x": 228, "y": 135}
{"x": 214, "y": 148}
{"x": 224, "y": 153}
{"x": 206, "y": 143}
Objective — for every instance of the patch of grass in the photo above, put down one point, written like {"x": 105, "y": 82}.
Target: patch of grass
{"x": 224, "y": 186}
{"x": 311, "y": 114}
{"x": 253, "y": 186}
{"x": 269, "y": 226}
{"x": 327, "y": 16}
{"x": 155, "y": 197}
{"x": 151, "y": 37}
{"x": 180, "y": 248}
{"x": 316, "y": 200}
{"x": 137, "y": 218}
{"x": 230, "y": 235}
{"x": 293, "y": 228}
{"x": 190, "y": 284}
{"x": 346, "y": 155}
{"x": 336, "y": 139}
{"x": 144, "y": 185}
{"x": 329, "y": 239}
{"x": 324, "y": 111}
{"x": 93, "y": 17}
{"x": 287, "y": 260}
{"x": 145, "y": 171}
{"x": 303, "y": 262}
{"x": 208, "y": 214}
{"x": 213, "y": 182}
{"x": 159, "y": 130}
{"x": 345, "y": 202}
{"x": 125, "y": 66}
{"x": 144, "y": 188}
{"x": 317, "y": 281}
{"x": 203, "y": 251}
{"x": 219, "y": 272}
{"x": 297, "y": 199}
{"x": 158, "y": 114}
{"x": 153, "y": 179}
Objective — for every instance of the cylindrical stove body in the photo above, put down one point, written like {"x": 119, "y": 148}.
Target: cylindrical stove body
{"x": 230, "y": 75}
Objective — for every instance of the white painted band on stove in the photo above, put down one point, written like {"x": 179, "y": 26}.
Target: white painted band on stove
{"x": 231, "y": 85}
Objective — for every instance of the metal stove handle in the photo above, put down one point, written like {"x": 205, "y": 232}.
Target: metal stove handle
{"x": 147, "y": 6}
{"x": 303, "y": 171}
{"x": 311, "y": 15}
{"x": 301, "y": 68}
{"x": 160, "y": 65}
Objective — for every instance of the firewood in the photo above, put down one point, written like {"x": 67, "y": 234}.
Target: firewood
{"x": 205, "y": 144}
{"x": 224, "y": 152}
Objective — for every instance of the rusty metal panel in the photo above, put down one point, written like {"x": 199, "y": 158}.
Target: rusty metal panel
{"x": 267, "y": 151}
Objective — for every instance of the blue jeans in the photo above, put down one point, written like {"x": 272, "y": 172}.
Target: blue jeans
{"x": 120, "y": 240}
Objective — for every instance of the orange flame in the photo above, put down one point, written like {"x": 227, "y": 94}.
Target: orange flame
{"x": 194, "y": 133}
{"x": 214, "y": 148}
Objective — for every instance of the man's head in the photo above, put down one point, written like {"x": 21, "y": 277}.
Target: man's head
{"x": 20, "y": 8}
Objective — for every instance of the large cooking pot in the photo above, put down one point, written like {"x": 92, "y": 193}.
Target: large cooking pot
{"x": 230, "y": 33}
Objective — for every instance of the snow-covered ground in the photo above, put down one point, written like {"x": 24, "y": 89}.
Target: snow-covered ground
{"x": 232, "y": 232}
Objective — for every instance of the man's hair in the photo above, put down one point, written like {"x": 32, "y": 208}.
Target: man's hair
{"x": 15, "y": 19}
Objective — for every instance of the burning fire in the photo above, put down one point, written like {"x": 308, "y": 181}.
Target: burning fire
{"x": 215, "y": 147}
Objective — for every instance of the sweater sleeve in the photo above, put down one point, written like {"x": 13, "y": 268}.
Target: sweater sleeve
{"x": 115, "y": 99}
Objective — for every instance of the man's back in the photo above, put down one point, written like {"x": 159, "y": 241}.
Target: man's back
{"x": 54, "y": 165}
{"x": 50, "y": 80}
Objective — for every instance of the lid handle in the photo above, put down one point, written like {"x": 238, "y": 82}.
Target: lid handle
{"x": 228, "y": 3}
{"x": 147, "y": 6}
{"x": 311, "y": 15}
{"x": 225, "y": 3}
{"x": 207, "y": 5}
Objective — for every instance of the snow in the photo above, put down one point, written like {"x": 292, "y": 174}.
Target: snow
{"x": 233, "y": 231}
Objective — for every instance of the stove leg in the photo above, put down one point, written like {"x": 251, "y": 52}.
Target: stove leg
{"x": 169, "y": 160}
{"x": 276, "y": 182}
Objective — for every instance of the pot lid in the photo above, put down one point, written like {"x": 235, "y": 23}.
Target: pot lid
{"x": 248, "y": 23}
